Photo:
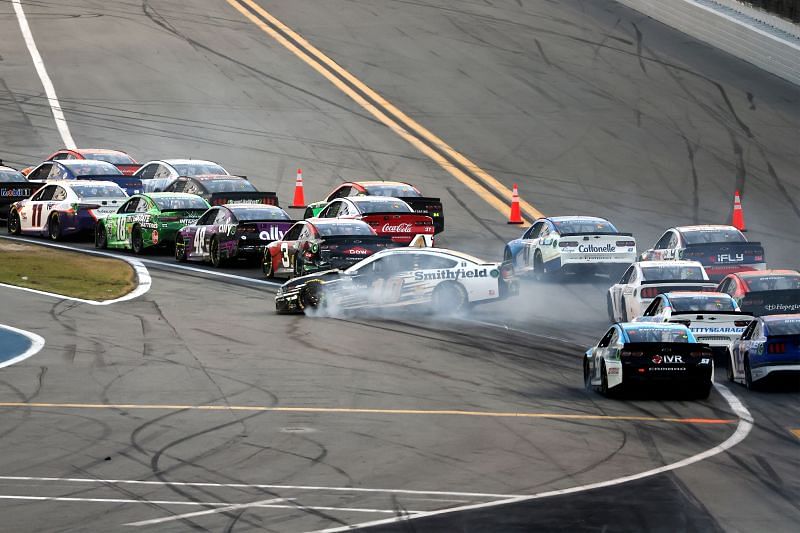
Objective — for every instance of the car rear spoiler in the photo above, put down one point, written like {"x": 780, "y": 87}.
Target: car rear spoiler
{"x": 430, "y": 206}
{"x": 663, "y": 348}
{"x": 771, "y": 302}
{"x": 602, "y": 233}
{"x": 700, "y": 283}
{"x": 729, "y": 313}
{"x": 255, "y": 197}
{"x": 129, "y": 169}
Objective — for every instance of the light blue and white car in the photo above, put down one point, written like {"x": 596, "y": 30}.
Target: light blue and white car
{"x": 576, "y": 244}
{"x": 769, "y": 346}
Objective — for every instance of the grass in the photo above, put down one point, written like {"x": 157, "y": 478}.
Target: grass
{"x": 67, "y": 273}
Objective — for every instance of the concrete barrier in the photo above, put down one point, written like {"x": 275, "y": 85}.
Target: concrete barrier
{"x": 753, "y": 35}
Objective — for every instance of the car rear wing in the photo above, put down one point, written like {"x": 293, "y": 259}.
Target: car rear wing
{"x": 652, "y": 288}
{"x": 761, "y": 303}
{"x": 130, "y": 184}
{"x": 724, "y": 253}
{"x": 599, "y": 233}
{"x": 662, "y": 349}
{"x": 254, "y": 197}
{"x": 128, "y": 169}
{"x": 429, "y": 206}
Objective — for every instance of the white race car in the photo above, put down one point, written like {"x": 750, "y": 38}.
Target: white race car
{"x": 447, "y": 280}
{"x": 64, "y": 207}
{"x": 156, "y": 176}
{"x": 644, "y": 280}
{"x": 713, "y": 317}
{"x": 571, "y": 244}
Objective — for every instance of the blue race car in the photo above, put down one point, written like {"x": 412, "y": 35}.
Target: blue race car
{"x": 574, "y": 244}
{"x": 634, "y": 353}
{"x": 768, "y": 347}
{"x": 85, "y": 169}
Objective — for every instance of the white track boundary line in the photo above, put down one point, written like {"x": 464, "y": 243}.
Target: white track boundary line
{"x": 37, "y": 343}
{"x": 225, "y": 509}
{"x": 742, "y": 430}
{"x": 49, "y": 89}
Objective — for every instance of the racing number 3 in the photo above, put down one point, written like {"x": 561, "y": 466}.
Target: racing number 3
{"x": 285, "y": 255}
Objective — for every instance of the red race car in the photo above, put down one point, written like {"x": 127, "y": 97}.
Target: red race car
{"x": 322, "y": 244}
{"x": 389, "y": 217}
{"x": 125, "y": 163}
{"x": 765, "y": 292}
{"x": 421, "y": 205}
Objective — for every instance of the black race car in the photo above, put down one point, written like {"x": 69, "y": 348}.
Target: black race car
{"x": 221, "y": 189}
{"x": 13, "y": 188}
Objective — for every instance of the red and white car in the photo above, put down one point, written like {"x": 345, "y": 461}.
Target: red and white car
{"x": 389, "y": 217}
{"x": 125, "y": 163}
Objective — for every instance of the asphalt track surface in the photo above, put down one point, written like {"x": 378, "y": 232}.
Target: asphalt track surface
{"x": 589, "y": 106}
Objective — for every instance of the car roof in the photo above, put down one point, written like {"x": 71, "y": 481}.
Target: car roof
{"x": 668, "y": 263}
{"x": 168, "y": 195}
{"x": 372, "y": 199}
{"x": 92, "y": 150}
{"x": 379, "y": 182}
{"x": 322, "y": 221}
{"x": 212, "y": 177}
{"x": 763, "y": 273}
{"x": 704, "y": 227}
{"x": 567, "y": 218}
{"x": 445, "y": 251}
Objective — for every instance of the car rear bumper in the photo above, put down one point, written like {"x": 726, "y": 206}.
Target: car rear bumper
{"x": 773, "y": 370}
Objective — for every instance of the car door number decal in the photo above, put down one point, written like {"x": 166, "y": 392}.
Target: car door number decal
{"x": 285, "y": 255}
{"x": 37, "y": 215}
{"x": 386, "y": 291}
{"x": 199, "y": 240}
{"x": 121, "y": 228}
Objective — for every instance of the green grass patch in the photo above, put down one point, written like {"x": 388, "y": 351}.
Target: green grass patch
{"x": 67, "y": 273}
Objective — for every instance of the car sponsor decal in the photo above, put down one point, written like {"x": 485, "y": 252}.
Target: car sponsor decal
{"x": 460, "y": 273}
{"x": 668, "y": 359}
{"x": 15, "y": 192}
{"x": 591, "y": 248}
{"x": 274, "y": 234}
{"x": 786, "y": 308}
{"x": 404, "y": 227}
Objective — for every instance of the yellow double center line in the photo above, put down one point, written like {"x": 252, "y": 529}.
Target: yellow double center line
{"x": 457, "y": 165}
{"x": 361, "y": 411}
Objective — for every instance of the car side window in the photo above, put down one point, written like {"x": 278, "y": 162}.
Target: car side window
{"x": 142, "y": 206}
{"x": 626, "y": 277}
{"x": 162, "y": 172}
{"x": 192, "y": 188}
{"x": 208, "y": 217}
{"x": 223, "y": 217}
{"x": 41, "y": 173}
{"x": 305, "y": 234}
{"x": 654, "y": 308}
{"x": 728, "y": 287}
{"x": 61, "y": 155}
{"x": 757, "y": 330}
{"x": 533, "y": 233}
{"x": 431, "y": 262}
{"x": 545, "y": 232}
{"x": 614, "y": 338}
{"x": 341, "y": 192}
{"x": 46, "y": 194}
{"x": 606, "y": 340}
{"x": 58, "y": 173}
{"x": 148, "y": 172}
{"x": 663, "y": 242}
{"x": 294, "y": 232}
{"x": 60, "y": 194}
{"x": 673, "y": 241}
{"x": 332, "y": 210}
{"x": 175, "y": 186}
{"x": 748, "y": 331}
{"x": 130, "y": 206}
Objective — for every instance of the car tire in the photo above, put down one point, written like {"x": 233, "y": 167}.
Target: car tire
{"x": 267, "y": 265}
{"x": 100, "y": 236}
{"x": 539, "y": 272}
{"x": 54, "y": 228}
{"x": 180, "y": 249}
{"x": 729, "y": 368}
{"x": 624, "y": 310}
{"x": 214, "y": 252}
{"x": 587, "y": 374}
{"x": 298, "y": 270}
{"x": 610, "y": 308}
{"x": 449, "y": 298}
{"x": 748, "y": 374}
{"x": 312, "y": 296}
{"x": 14, "y": 227}
{"x": 137, "y": 241}
{"x": 604, "y": 390}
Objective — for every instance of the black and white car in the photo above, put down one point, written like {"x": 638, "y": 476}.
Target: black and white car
{"x": 644, "y": 280}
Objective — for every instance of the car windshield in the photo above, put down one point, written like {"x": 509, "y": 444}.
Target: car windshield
{"x": 178, "y": 203}
{"x": 225, "y": 185}
{"x": 267, "y": 212}
{"x": 195, "y": 169}
{"x": 710, "y": 302}
{"x": 658, "y": 335}
{"x": 9, "y": 176}
{"x": 706, "y": 236}
{"x": 383, "y": 206}
{"x": 98, "y": 191}
{"x": 398, "y": 190}
{"x": 773, "y": 283}
{"x": 667, "y": 273}
{"x": 587, "y": 226}
{"x": 790, "y": 326}
{"x": 81, "y": 167}
{"x": 331, "y": 229}
{"x": 115, "y": 158}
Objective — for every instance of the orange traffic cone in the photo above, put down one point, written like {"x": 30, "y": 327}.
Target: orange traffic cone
{"x": 515, "y": 217}
{"x": 299, "y": 198}
{"x": 738, "y": 214}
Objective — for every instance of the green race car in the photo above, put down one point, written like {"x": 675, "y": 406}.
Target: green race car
{"x": 150, "y": 219}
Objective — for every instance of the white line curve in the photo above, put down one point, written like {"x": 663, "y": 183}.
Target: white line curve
{"x": 37, "y": 343}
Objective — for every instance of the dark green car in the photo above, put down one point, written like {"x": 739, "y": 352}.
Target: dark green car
{"x": 146, "y": 220}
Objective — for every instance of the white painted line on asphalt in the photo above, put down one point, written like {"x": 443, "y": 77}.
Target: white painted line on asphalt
{"x": 38, "y": 63}
{"x": 252, "y": 486}
{"x": 206, "y": 512}
{"x": 742, "y": 430}
{"x": 37, "y": 343}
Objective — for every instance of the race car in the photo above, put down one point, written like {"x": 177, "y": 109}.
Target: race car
{"x": 714, "y": 318}
{"x": 222, "y": 189}
{"x": 65, "y": 207}
{"x": 158, "y": 175}
{"x": 13, "y": 188}
{"x": 322, "y": 244}
{"x": 633, "y": 354}
{"x": 722, "y": 250}
{"x": 408, "y": 193}
{"x": 769, "y": 347}
{"x": 147, "y": 220}
{"x": 445, "y": 280}
{"x": 765, "y": 292}
{"x": 232, "y": 231}
{"x": 125, "y": 163}
{"x": 645, "y": 280}
{"x": 85, "y": 169}
{"x": 576, "y": 244}
{"x": 389, "y": 217}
